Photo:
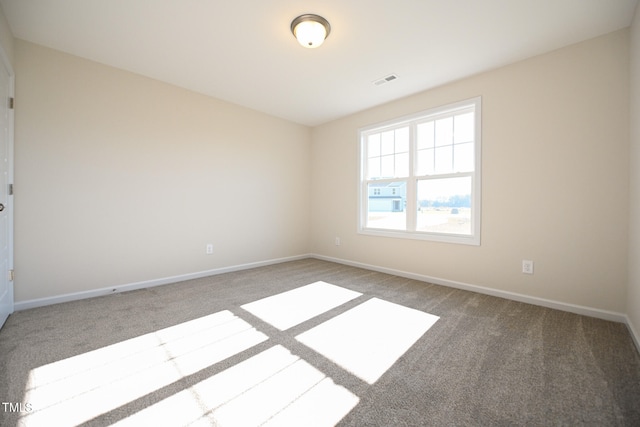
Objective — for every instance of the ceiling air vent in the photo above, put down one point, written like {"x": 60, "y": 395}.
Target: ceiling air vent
{"x": 387, "y": 79}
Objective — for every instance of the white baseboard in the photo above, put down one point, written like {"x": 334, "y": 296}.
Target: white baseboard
{"x": 40, "y": 302}
{"x": 572, "y": 308}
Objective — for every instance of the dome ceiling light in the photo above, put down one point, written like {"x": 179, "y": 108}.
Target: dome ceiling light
{"x": 310, "y": 30}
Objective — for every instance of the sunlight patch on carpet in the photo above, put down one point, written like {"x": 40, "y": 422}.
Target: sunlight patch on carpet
{"x": 77, "y": 389}
{"x": 274, "y": 387}
{"x": 279, "y": 387}
{"x": 293, "y": 307}
{"x": 368, "y": 339}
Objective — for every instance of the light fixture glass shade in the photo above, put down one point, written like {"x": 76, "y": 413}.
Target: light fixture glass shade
{"x": 310, "y": 30}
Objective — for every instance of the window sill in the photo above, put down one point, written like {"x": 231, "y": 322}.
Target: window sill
{"x": 433, "y": 237}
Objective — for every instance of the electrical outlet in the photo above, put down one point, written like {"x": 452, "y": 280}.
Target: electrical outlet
{"x": 209, "y": 249}
{"x": 527, "y": 266}
{"x": 337, "y": 241}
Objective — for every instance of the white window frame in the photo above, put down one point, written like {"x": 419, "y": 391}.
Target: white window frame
{"x": 412, "y": 180}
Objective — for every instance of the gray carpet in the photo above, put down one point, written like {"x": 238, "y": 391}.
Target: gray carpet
{"x": 485, "y": 361}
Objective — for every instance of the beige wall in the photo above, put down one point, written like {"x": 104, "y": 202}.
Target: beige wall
{"x": 121, "y": 179}
{"x": 555, "y": 180}
{"x": 633, "y": 300}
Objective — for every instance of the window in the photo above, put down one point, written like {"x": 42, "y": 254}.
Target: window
{"x": 420, "y": 175}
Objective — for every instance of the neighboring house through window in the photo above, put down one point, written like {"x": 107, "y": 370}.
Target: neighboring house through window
{"x": 420, "y": 175}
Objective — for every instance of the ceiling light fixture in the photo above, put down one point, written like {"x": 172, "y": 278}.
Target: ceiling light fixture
{"x": 310, "y": 30}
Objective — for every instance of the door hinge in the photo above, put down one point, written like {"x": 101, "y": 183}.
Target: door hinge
{"x": 11, "y": 275}
{"x": 11, "y": 102}
{"x": 10, "y": 190}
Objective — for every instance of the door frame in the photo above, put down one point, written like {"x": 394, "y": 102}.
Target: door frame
{"x": 4, "y": 61}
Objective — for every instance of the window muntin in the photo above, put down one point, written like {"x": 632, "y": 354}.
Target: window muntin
{"x": 388, "y": 154}
{"x": 446, "y": 145}
{"x": 420, "y": 175}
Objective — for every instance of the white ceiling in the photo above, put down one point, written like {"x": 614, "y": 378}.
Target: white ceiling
{"x": 242, "y": 51}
